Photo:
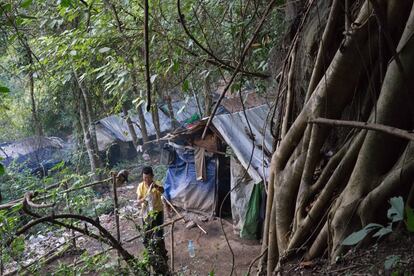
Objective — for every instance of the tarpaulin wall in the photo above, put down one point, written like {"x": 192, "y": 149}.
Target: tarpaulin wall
{"x": 246, "y": 202}
{"x": 182, "y": 188}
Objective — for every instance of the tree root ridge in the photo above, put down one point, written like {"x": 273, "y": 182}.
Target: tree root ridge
{"x": 320, "y": 191}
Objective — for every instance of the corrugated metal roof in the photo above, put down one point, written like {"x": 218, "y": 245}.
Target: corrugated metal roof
{"x": 235, "y": 131}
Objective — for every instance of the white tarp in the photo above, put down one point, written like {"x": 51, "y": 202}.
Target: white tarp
{"x": 29, "y": 145}
{"x": 235, "y": 131}
{"x": 115, "y": 127}
{"x": 242, "y": 187}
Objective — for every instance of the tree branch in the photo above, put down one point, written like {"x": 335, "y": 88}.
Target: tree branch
{"x": 239, "y": 66}
{"x": 105, "y": 233}
{"x": 211, "y": 54}
{"x": 401, "y": 133}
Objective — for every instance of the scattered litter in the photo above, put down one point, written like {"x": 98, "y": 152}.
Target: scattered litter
{"x": 191, "y": 224}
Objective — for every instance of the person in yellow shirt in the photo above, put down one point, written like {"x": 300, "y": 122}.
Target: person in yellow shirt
{"x": 149, "y": 194}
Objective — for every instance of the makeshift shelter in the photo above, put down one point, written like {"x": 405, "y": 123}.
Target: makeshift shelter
{"x": 249, "y": 137}
{"x": 114, "y": 139}
{"x": 192, "y": 179}
{"x": 37, "y": 154}
{"x": 243, "y": 173}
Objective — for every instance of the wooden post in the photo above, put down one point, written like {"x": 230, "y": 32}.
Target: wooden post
{"x": 118, "y": 234}
{"x": 172, "y": 247}
{"x": 1, "y": 260}
{"x": 70, "y": 210}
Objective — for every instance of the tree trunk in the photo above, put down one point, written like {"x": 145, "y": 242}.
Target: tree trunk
{"x": 208, "y": 98}
{"x": 88, "y": 113}
{"x": 37, "y": 124}
{"x": 94, "y": 159}
{"x": 325, "y": 182}
{"x": 141, "y": 117}
{"x": 89, "y": 136}
{"x": 156, "y": 119}
{"x": 171, "y": 112}
{"x": 130, "y": 126}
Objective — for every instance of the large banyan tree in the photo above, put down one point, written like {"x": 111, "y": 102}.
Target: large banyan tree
{"x": 349, "y": 61}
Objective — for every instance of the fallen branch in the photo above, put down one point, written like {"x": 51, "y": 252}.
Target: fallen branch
{"x": 15, "y": 202}
{"x": 154, "y": 229}
{"x": 401, "y": 133}
{"x": 28, "y": 198}
{"x": 78, "y": 188}
{"x": 106, "y": 236}
{"x": 181, "y": 216}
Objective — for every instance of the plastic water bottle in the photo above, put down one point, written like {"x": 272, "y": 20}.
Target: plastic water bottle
{"x": 191, "y": 250}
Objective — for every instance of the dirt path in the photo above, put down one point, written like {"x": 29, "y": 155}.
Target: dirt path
{"x": 212, "y": 253}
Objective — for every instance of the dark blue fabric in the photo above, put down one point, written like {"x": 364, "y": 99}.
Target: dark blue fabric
{"x": 182, "y": 188}
{"x": 38, "y": 160}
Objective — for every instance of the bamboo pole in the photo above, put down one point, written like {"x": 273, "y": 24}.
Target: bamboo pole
{"x": 172, "y": 247}
{"x": 118, "y": 233}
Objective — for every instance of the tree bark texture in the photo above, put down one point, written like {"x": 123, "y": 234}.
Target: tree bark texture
{"x": 328, "y": 181}
{"x": 89, "y": 133}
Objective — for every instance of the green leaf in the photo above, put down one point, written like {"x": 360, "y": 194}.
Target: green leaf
{"x": 391, "y": 261}
{"x": 104, "y": 50}
{"x": 355, "y": 237}
{"x": 176, "y": 66}
{"x": 4, "y": 89}
{"x": 396, "y": 212}
{"x": 26, "y": 3}
{"x": 65, "y": 3}
{"x": 410, "y": 219}
{"x": 27, "y": 16}
{"x": 6, "y": 7}
{"x": 58, "y": 166}
{"x": 2, "y": 171}
{"x": 358, "y": 236}
{"x": 17, "y": 245}
{"x": 186, "y": 86}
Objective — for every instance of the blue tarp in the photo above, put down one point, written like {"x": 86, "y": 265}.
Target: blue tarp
{"x": 37, "y": 154}
{"x": 182, "y": 188}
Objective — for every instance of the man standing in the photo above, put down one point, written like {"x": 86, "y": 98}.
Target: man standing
{"x": 149, "y": 198}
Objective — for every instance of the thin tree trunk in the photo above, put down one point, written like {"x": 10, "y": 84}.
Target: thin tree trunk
{"x": 91, "y": 147}
{"x": 156, "y": 120}
{"x": 141, "y": 117}
{"x": 94, "y": 160}
{"x": 130, "y": 126}
{"x": 171, "y": 112}
{"x": 88, "y": 113}
{"x": 207, "y": 98}
{"x": 37, "y": 125}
